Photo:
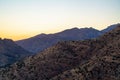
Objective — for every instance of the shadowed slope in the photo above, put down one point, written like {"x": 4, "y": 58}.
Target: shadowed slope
{"x": 10, "y": 52}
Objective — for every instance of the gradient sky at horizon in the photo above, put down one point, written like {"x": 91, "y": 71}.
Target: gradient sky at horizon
{"x": 25, "y": 18}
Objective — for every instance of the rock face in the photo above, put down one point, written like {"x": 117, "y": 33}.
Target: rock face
{"x": 43, "y": 41}
{"x": 10, "y": 52}
{"x": 96, "y": 59}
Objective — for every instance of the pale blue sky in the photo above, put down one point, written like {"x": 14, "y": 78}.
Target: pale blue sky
{"x": 24, "y": 18}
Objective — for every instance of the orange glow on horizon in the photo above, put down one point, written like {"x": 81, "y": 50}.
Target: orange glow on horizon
{"x": 20, "y": 19}
{"x": 16, "y": 33}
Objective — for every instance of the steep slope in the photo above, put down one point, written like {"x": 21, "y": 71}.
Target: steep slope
{"x": 10, "y": 52}
{"x": 43, "y": 41}
{"x": 97, "y": 59}
{"x": 103, "y": 65}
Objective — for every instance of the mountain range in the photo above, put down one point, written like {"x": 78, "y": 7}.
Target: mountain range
{"x": 40, "y": 42}
{"x": 10, "y": 52}
{"x": 93, "y": 59}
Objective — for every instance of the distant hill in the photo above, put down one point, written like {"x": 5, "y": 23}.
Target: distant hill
{"x": 10, "y": 52}
{"x": 40, "y": 42}
{"x": 43, "y": 41}
{"x": 96, "y": 59}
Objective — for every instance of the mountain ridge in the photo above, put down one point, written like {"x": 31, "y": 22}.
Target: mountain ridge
{"x": 43, "y": 41}
{"x": 96, "y": 59}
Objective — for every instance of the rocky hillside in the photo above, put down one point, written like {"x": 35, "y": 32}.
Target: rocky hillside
{"x": 10, "y": 52}
{"x": 40, "y": 42}
{"x": 97, "y": 59}
{"x": 103, "y": 65}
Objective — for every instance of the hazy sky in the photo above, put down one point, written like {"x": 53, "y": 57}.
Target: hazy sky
{"x": 24, "y": 18}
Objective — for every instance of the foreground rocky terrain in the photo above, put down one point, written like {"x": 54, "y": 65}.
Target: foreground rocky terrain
{"x": 96, "y": 59}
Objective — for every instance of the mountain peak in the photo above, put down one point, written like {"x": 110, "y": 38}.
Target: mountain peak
{"x": 41, "y": 35}
{"x": 75, "y": 28}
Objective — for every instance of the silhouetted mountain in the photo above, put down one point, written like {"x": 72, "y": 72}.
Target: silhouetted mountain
{"x": 43, "y": 41}
{"x": 96, "y": 59}
{"x": 10, "y": 52}
{"x": 40, "y": 42}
